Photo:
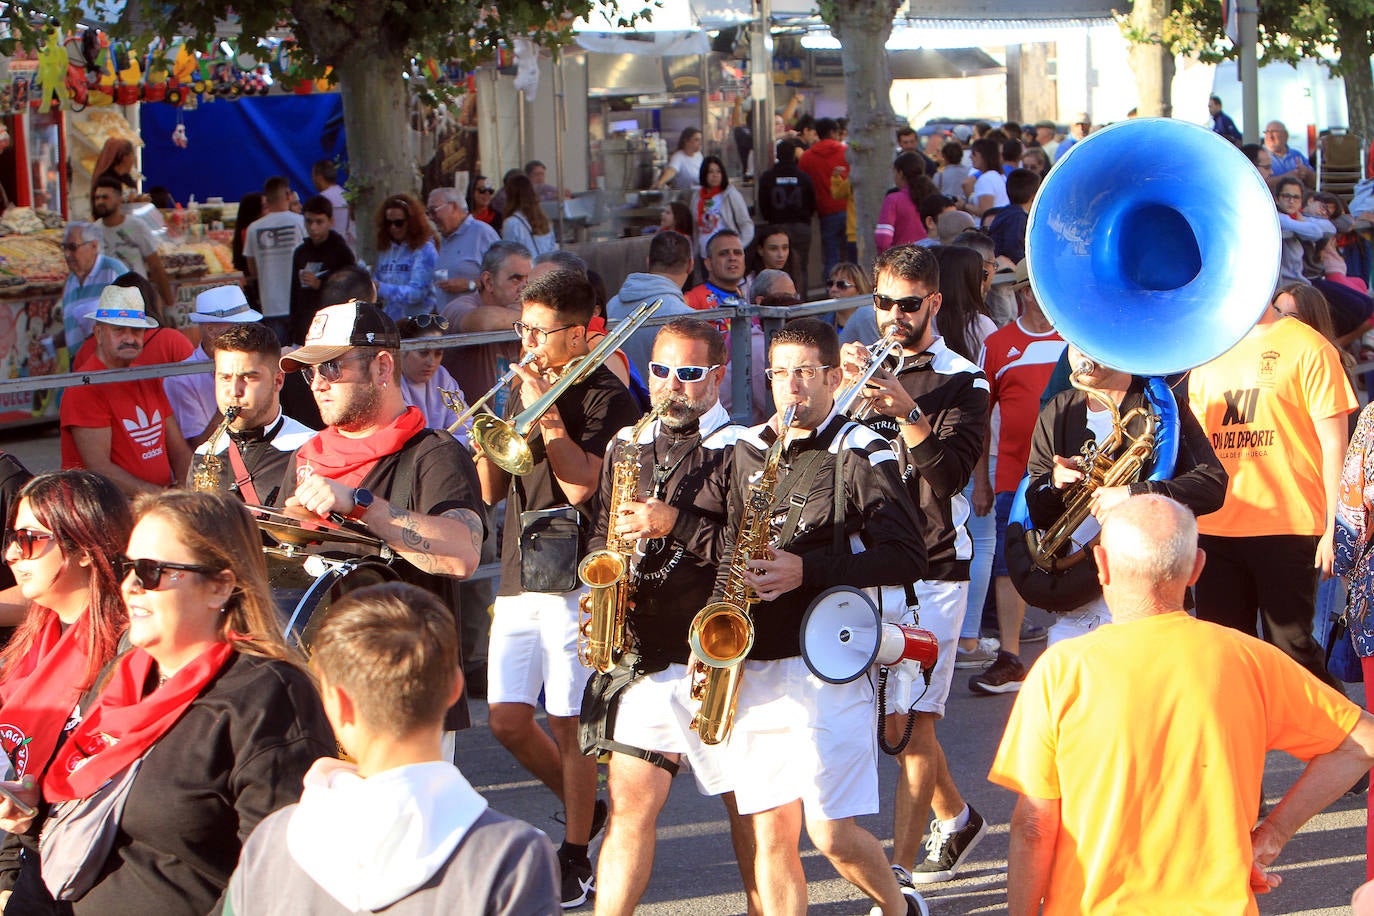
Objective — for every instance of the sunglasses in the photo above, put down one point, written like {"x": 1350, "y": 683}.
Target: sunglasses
{"x": 395, "y": 223}
{"x": 149, "y": 572}
{"x": 839, "y": 284}
{"x": 330, "y": 371}
{"x": 907, "y": 304}
{"x": 483, "y": 190}
{"x": 26, "y": 538}
{"x": 425, "y": 322}
{"x": 684, "y": 373}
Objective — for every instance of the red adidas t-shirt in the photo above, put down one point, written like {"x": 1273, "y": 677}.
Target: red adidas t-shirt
{"x": 136, "y": 413}
{"x": 1018, "y": 365}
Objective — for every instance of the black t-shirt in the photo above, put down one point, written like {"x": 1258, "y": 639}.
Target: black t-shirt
{"x": 592, "y": 412}
{"x": 330, "y": 255}
{"x": 441, "y": 477}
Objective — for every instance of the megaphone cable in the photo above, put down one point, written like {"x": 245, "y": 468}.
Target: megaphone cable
{"x": 910, "y": 715}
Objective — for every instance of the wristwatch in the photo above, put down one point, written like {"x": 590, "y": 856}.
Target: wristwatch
{"x": 362, "y": 501}
{"x": 912, "y": 417}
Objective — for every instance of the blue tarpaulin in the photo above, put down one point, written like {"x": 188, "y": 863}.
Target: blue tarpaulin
{"x": 236, "y": 146}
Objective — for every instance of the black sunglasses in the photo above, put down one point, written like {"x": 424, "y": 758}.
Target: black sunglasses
{"x": 907, "y": 304}
{"x": 394, "y": 223}
{"x": 331, "y": 370}
{"x": 483, "y": 190}
{"x": 425, "y": 322}
{"x": 839, "y": 284}
{"x": 26, "y": 538}
{"x": 149, "y": 572}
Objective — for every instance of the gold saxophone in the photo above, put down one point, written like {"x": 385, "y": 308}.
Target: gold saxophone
{"x": 722, "y": 633}
{"x": 208, "y": 475}
{"x": 602, "y": 635}
{"x": 1099, "y": 470}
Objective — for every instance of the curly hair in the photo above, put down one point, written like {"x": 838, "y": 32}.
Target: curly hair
{"x": 418, "y": 229}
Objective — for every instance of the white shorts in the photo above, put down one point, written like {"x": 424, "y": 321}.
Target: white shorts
{"x": 655, "y": 714}
{"x": 1077, "y": 623}
{"x": 797, "y": 737}
{"x": 941, "y": 611}
{"x": 534, "y": 645}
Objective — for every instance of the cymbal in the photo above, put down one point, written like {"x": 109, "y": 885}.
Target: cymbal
{"x": 288, "y": 529}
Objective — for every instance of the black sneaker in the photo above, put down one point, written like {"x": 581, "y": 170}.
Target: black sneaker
{"x": 578, "y": 883}
{"x": 947, "y": 851}
{"x": 1003, "y": 676}
{"x": 915, "y": 903}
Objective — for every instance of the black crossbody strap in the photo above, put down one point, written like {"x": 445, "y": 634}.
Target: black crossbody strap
{"x": 796, "y": 491}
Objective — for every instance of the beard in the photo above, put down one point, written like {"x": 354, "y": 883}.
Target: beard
{"x": 909, "y": 335}
{"x": 683, "y": 411}
{"x": 354, "y": 412}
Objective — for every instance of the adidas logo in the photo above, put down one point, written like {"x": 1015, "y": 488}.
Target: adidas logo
{"x": 145, "y": 430}
{"x": 1013, "y": 352}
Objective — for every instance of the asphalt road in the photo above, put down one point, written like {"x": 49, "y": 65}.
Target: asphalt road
{"x": 695, "y": 873}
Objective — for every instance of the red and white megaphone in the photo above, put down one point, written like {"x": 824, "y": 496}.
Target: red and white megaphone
{"x": 843, "y": 635}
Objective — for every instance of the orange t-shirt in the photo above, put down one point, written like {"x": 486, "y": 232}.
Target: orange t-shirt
{"x": 1152, "y": 735}
{"x": 1257, "y": 403}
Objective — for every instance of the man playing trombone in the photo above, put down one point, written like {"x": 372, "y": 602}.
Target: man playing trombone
{"x": 933, "y": 410}
{"x": 548, "y": 516}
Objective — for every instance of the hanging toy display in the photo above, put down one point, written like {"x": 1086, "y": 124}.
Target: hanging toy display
{"x": 52, "y": 73}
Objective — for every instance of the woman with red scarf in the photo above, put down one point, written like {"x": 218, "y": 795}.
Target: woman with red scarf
{"x": 212, "y": 707}
{"x": 718, "y": 205}
{"x": 61, "y": 543}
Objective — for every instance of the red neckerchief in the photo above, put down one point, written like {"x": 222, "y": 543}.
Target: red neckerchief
{"x": 334, "y": 455}
{"x": 703, "y": 199}
{"x": 126, "y": 721}
{"x": 41, "y": 693}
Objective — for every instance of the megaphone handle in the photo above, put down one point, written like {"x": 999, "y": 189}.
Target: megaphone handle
{"x": 882, "y": 717}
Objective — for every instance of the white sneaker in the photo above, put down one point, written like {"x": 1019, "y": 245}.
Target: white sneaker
{"x": 980, "y": 656}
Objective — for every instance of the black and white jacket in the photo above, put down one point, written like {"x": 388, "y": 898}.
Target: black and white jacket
{"x": 953, "y": 395}
{"x": 675, "y": 574}
{"x": 882, "y": 542}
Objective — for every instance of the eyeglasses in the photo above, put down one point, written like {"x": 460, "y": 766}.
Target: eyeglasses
{"x": 540, "y": 335}
{"x": 434, "y": 211}
{"x": 330, "y": 371}
{"x": 26, "y": 538}
{"x": 395, "y": 223}
{"x": 1290, "y": 197}
{"x": 838, "y": 284}
{"x": 73, "y": 247}
{"x": 805, "y": 373}
{"x": 149, "y": 572}
{"x": 907, "y": 304}
{"x": 684, "y": 373}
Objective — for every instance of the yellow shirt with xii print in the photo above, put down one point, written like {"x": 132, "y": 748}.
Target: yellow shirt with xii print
{"x": 1257, "y": 403}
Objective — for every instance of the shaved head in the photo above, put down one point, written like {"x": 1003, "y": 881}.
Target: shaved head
{"x": 1150, "y": 545}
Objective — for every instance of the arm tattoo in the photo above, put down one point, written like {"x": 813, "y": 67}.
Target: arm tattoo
{"x": 473, "y": 523}
{"x": 412, "y": 542}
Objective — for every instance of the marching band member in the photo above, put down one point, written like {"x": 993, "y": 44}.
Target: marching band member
{"x": 802, "y": 749}
{"x": 535, "y": 621}
{"x": 933, "y": 412}
{"x": 677, "y": 514}
{"x": 252, "y": 453}
{"x": 376, "y": 464}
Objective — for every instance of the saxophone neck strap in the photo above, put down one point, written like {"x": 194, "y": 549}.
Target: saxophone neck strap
{"x": 242, "y": 479}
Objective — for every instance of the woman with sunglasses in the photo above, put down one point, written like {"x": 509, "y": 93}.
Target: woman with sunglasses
{"x": 423, "y": 377}
{"x": 216, "y": 711}
{"x": 524, "y": 220}
{"x": 481, "y": 191}
{"x": 405, "y": 257}
{"x": 847, "y": 281}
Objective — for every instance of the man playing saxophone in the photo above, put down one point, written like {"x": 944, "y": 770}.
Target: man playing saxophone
{"x": 802, "y": 750}
{"x": 675, "y": 515}
{"x": 1070, "y": 420}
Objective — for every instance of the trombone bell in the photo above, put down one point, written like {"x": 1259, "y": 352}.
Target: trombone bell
{"x": 506, "y": 448}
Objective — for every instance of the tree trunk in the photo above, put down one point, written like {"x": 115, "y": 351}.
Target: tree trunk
{"x": 1359, "y": 80}
{"x": 1151, "y": 61}
{"x": 376, "y": 118}
{"x": 863, "y": 27}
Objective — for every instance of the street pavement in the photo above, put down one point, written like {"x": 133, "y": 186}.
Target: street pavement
{"x": 694, "y": 870}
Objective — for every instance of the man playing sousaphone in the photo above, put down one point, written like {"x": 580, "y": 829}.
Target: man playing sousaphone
{"x": 376, "y": 464}
{"x": 1091, "y": 413}
{"x": 548, "y": 517}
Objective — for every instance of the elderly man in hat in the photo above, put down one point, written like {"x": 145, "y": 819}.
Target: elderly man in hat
{"x": 193, "y": 396}
{"x": 376, "y": 465}
{"x": 123, "y": 430}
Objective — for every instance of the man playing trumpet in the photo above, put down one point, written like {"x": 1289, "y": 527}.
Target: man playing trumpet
{"x": 548, "y": 514}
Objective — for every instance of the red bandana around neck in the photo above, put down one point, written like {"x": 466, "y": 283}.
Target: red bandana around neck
{"x": 336, "y": 456}
{"x": 127, "y": 720}
{"x": 39, "y": 697}
{"x": 704, "y": 200}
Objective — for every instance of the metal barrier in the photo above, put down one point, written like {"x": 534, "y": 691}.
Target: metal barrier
{"x": 771, "y": 318}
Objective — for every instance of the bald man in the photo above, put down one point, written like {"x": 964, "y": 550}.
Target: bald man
{"x": 1138, "y": 749}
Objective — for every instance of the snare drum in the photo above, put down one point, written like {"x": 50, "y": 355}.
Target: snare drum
{"x": 305, "y": 587}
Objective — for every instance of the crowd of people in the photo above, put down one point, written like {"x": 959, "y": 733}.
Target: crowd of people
{"x": 171, "y": 748}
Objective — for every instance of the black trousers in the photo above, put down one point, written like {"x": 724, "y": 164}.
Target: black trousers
{"x": 1272, "y": 578}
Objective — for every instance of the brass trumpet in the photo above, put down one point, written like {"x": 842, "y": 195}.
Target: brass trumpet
{"x": 885, "y": 354}
{"x": 505, "y": 442}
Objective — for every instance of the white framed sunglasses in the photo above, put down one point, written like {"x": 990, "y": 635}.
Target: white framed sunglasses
{"x": 684, "y": 373}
